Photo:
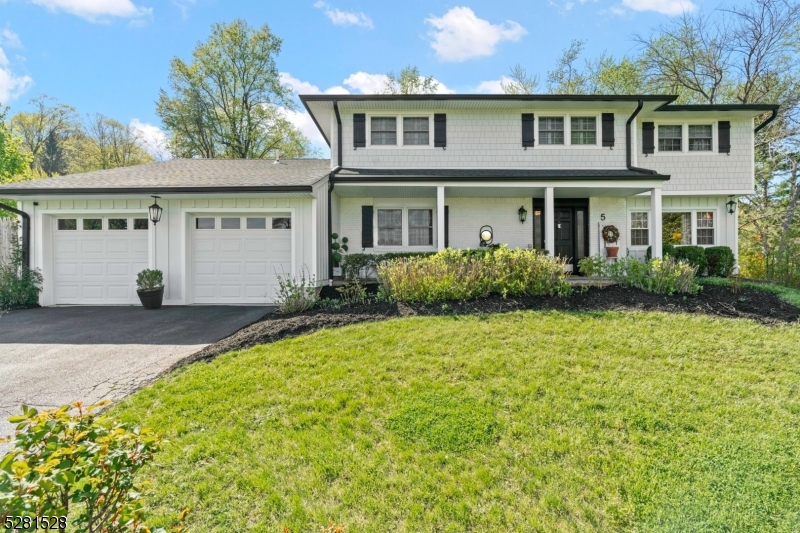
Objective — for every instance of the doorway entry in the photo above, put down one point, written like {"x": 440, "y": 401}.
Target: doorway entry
{"x": 571, "y": 218}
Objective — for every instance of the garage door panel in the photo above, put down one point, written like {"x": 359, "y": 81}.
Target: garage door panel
{"x": 230, "y": 245}
{"x": 92, "y": 292}
{"x": 92, "y": 269}
{"x": 256, "y": 245}
{"x": 119, "y": 292}
{"x": 230, "y": 291}
{"x": 205, "y": 268}
{"x": 64, "y": 247}
{"x": 208, "y": 292}
{"x": 118, "y": 269}
{"x": 93, "y": 246}
{"x": 253, "y": 268}
{"x": 139, "y": 247}
{"x": 280, "y": 245}
{"x": 64, "y": 291}
{"x": 118, "y": 246}
{"x": 205, "y": 245}
{"x": 256, "y": 291}
{"x": 67, "y": 269}
{"x": 228, "y": 268}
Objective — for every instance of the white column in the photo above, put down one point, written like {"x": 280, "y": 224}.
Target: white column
{"x": 550, "y": 221}
{"x": 440, "y": 217}
{"x": 655, "y": 206}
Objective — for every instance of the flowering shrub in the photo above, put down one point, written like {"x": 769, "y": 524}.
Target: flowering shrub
{"x": 662, "y": 276}
{"x": 296, "y": 293}
{"x": 461, "y": 275}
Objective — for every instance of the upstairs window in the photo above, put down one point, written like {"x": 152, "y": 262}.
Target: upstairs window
{"x": 583, "y": 130}
{"x": 700, "y": 138}
{"x": 383, "y": 131}
{"x": 670, "y": 138}
{"x": 551, "y": 130}
{"x": 416, "y": 131}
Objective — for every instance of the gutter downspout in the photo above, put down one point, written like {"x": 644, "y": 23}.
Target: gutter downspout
{"x": 331, "y": 184}
{"x": 628, "y": 143}
{"x": 770, "y": 119}
{"x": 26, "y": 232}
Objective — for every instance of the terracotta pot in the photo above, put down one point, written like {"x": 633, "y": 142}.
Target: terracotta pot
{"x": 611, "y": 251}
{"x": 151, "y": 299}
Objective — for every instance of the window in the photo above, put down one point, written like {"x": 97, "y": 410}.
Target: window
{"x": 583, "y": 130}
{"x": 118, "y": 224}
{"x": 257, "y": 223}
{"x": 699, "y": 138}
{"x": 551, "y": 130}
{"x": 669, "y": 138}
{"x": 390, "y": 227}
{"x": 415, "y": 131}
{"x": 676, "y": 228}
{"x": 281, "y": 223}
{"x": 640, "y": 229}
{"x": 67, "y": 224}
{"x": 140, "y": 223}
{"x": 92, "y": 224}
{"x": 420, "y": 227}
{"x": 384, "y": 131}
{"x": 705, "y": 228}
{"x": 204, "y": 223}
{"x": 230, "y": 223}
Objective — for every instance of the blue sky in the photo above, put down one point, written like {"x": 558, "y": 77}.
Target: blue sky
{"x": 112, "y": 56}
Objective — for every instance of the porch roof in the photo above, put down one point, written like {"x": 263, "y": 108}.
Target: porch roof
{"x": 355, "y": 175}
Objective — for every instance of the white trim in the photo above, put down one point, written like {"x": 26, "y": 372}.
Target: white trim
{"x": 568, "y": 131}
{"x": 693, "y": 212}
{"x": 404, "y": 205}
{"x": 684, "y": 124}
{"x": 732, "y": 192}
{"x": 399, "y": 117}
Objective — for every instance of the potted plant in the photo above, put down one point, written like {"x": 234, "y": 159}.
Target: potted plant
{"x": 611, "y": 236}
{"x": 150, "y": 288}
{"x": 338, "y": 250}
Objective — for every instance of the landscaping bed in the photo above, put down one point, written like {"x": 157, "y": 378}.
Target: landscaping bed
{"x": 761, "y": 306}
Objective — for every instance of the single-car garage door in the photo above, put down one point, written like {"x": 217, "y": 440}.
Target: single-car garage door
{"x": 236, "y": 259}
{"x": 96, "y": 259}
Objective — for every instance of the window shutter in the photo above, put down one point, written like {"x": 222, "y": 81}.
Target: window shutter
{"x": 724, "y": 132}
{"x": 648, "y": 137}
{"x": 447, "y": 226}
{"x": 608, "y": 129}
{"x": 359, "y": 130}
{"x": 440, "y": 130}
{"x": 366, "y": 227}
{"x": 527, "y": 130}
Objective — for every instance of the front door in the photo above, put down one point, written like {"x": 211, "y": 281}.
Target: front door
{"x": 565, "y": 239}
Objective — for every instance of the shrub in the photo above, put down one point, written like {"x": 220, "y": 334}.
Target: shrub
{"x": 149, "y": 280}
{"x": 667, "y": 250}
{"x": 353, "y": 263}
{"x": 352, "y": 293}
{"x": 662, "y": 276}
{"x": 296, "y": 293}
{"x": 694, "y": 255}
{"x": 593, "y": 266}
{"x": 338, "y": 249}
{"x": 20, "y": 285}
{"x": 461, "y": 275}
{"x": 720, "y": 261}
{"x": 78, "y": 465}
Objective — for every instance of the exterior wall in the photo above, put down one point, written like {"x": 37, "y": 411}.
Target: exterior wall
{"x": 605, "y": 211}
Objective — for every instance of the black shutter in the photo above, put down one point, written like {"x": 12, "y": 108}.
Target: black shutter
{"x": 527, "y": 130}
{"x": 608, "y": 129}
{"x": 359, "y": 130}
{"x": 447, "y": 226}
{"x": 440, "y": 130}
{"x": 366, "y": 227}
{"x": 724, "y": 129}
{"x": 648, "y": 137}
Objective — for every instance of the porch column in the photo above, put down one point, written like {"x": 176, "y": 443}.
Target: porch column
{"x": 655, "y": 206}
{"x": 550, "y": 221}
{"x": 440, "y": 217}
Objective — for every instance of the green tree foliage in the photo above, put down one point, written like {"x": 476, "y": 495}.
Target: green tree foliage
{"x": 13, "y": 160}
{"x": 409, "y": 81}
{"x": 105, "y": 143}
{"x": 520, "y": 82}
{"x": 567, "y": 78}
{"x": 45, "y": 131}
{"x": 228, "y": 102}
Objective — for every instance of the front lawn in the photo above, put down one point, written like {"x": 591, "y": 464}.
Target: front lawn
{"x": 529, "y": 421}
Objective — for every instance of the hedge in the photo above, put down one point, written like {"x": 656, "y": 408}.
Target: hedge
{"x": 720, "y": 261}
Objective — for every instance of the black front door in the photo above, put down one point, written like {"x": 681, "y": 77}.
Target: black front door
{"x": 565, "y": 237}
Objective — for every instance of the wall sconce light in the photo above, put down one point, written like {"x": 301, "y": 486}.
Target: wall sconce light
{"x": 523, "y": 214}
{"x": 486, "y": 236}
{"x": 155, "y": 211}
{"x": 731, "y": 204}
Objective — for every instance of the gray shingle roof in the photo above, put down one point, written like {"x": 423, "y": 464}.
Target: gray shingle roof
{"x": 487, "y": 173}
{"x": 181, "y": 175}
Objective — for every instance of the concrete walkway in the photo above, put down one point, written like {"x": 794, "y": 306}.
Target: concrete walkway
{"x": 58, "y": 355}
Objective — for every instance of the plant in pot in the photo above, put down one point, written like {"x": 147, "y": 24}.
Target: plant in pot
{"x": 338, "y": 252}
{"x": 611, "y": 236}
{"x": 150, "y": 288}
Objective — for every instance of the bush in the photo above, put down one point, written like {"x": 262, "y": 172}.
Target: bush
{"x": 662, "y": 276}
{"x": 149, "y": 280}
{"x": 720, "y": 261}
{"x": 19, "y": 284}
{"x": 353, "y": 263}
{"x": 296, "y": 293}
{"x": 593, "y": 266}
{"x": 667, "y": 250}
{"x": 77, "y": 465}
{"x": 694, "y": 255}
{"x": 461, "y": 275}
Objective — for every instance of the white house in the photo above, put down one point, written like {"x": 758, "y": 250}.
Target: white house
{"x": 407, "y": 173}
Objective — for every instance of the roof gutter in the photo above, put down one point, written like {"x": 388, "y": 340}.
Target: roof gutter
{"x": 26, "y": 232}
{"x": 628, "y": 142}
{"x": 151, "y": 190}
{"x": 770, "y": 119}
{"x": 653, "y": 175}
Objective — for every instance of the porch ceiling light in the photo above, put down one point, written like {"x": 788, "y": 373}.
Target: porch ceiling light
{"x": 155, "y": 211}
{"x": 731, "y": 204}
{"x": 523, "y": 214}
{"x": 486, "y": 235}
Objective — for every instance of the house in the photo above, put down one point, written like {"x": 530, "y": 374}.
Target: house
{"x": 407, "y": 172}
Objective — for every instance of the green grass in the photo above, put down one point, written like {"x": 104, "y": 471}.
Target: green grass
{"x": 520, "y": 422}
{"x": 787, "y": 294}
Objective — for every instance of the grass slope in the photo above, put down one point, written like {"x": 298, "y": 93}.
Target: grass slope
{"x": 787, "y": 294}
{"x": 520, "y": 422}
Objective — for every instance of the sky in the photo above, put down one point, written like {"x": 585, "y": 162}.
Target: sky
{"x": 112, "y": 56}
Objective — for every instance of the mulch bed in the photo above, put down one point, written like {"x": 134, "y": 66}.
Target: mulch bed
{"x": 763, "y": 307}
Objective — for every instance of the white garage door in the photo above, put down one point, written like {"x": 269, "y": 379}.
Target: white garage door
{"x": 96, "y": 259}
{"x": 236, "y": 259}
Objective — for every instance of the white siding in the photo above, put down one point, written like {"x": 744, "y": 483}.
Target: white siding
{"x": 613, "y": 208}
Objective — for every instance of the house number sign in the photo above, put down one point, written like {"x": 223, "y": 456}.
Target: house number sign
{"x": 602, "y": 216}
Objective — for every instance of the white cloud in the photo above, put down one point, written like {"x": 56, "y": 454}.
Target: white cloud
{"x": 666, "y": 7}
{"x": 459, "y": 35}
{"x": 492, "y": 86}
{"x": 366, "y": 83}
{"x": 305, "y": 87}
{"x": 96, "y": 10}
{"x": 303, "y": 121}
{"x": 9, "y": 38}
{"x": 344, "y": 18}
{"x": 11, "y": 85}
{"x": 153, "y": 138}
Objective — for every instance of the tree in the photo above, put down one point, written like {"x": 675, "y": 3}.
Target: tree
{"x": 409, "y": 81}
{"x": 229, "y": 101}
{"x": 606, "y": 75}
{"x": 44, "y": 133}
{"x": 13, "y": 161}
{"x": 520, "y": 82}
{"x": 566, "y": 78}
{"x": 106, "y": 143}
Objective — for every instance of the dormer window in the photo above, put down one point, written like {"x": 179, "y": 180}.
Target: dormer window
{"x": 551, "y": 130}
{"x": 384, "y": 131}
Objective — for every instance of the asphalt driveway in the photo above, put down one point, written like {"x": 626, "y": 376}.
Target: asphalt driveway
{"x": 57, "y": 355}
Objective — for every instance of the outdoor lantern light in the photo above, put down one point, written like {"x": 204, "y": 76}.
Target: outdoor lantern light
{"x": 155, "y": 211}
{"x": 486, "y": 235}
{"x": 731, "y": 205}
{"x": 523, "y": 214}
